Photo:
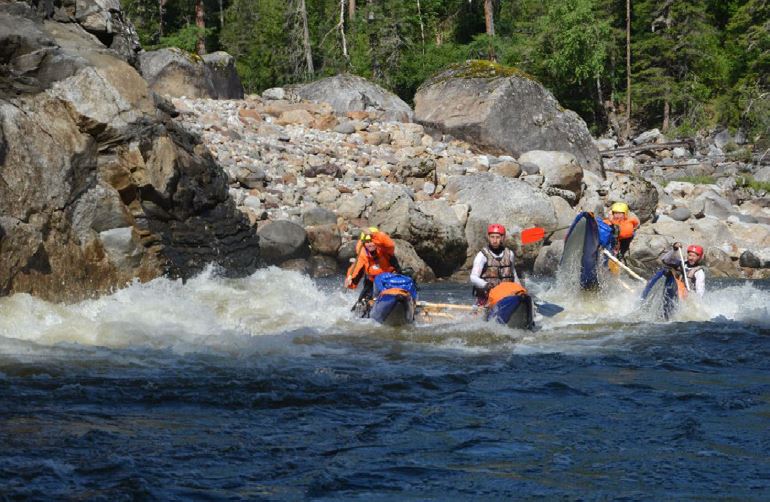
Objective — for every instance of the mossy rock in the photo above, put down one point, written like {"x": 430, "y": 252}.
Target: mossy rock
{"x": 479, "y": 68}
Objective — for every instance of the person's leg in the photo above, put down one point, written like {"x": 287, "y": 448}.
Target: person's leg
{"x": 367, "y": 292}
{"x": 395, "y": 264}
{"x": 625, "y": 244}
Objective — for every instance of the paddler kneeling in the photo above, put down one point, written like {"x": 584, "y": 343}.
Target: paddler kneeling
{"x": 493, "y": 265}
{"x": 375, "y": 254}
{"x": 692, "y": 266}
{"x": 625, "y": 226}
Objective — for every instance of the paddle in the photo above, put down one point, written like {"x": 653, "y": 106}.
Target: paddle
{"x": 544, "y": 308}
{"x": 684, "y": 269}
{"x": 534, "y": 234}
{"x": 442, "y": 306}
{"x": 630, "y": 272}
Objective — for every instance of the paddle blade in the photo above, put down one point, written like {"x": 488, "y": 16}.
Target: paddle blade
{"x": 548, "y": 309}
{"x": 530, "y": 235}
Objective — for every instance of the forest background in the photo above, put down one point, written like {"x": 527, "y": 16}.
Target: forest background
{"x": 694, "y": 64}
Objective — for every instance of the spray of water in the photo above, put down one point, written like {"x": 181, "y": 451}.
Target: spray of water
{"x": 278, "y": 311}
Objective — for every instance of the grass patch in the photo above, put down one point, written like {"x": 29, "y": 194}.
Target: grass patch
{"x": 697, "y": 180}
{"x": 749, "y": 182}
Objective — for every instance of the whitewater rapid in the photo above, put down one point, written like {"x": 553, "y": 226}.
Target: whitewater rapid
{"x": 278, "y": 311}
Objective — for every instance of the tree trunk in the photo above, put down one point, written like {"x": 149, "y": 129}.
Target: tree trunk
{"x": 221, "y": 15}
{"x": 351, "y": 11}
{"x": 628, "y": 68}
{"x": 161, "y": 5}
{"x": 200, "y": 22}
{"x": 376, "y": 71}
{"x": 666, "y": 114}
{"x": 306, "y": 38}
{"x": 341, "y": 25}
{"x": 422, "y": 28}
{"x": 489, "y": 17}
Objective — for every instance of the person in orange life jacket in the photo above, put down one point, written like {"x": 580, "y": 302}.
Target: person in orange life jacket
{"x": 376, "y": 253}
{"x": 696, "y": 272}
{"x": 492, "y": 265}
{"x": 625, "y": 226}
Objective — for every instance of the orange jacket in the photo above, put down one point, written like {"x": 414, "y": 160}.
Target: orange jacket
{"x": 372, "y": 265}
{"x": 626, "y": 226}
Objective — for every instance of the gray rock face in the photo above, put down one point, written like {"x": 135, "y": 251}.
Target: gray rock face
{"x": 348, "y": 93}
{"x": 510, "y": 202}
{"x": 100, "y": 186}
{"x": 560, "y": 169}
{"x": 318, "y": 216}
{"x": 408, "y": 258}
{"x": 547, "y": 261}
{"x": 647, "y": 137}
{"x": 759, "y": 258}
{"x": 175, "y": 73}
{"x": 104, "y": 19}
{"x": 283, "y": 240}
{"x": 680, "y": 214}
{"x": 324, "y": 239}
{"x": 224, "y": 77}
{"x": 640, "y": 195}
{"x": 437, "y": 238}
{"x": 509, "y": 115}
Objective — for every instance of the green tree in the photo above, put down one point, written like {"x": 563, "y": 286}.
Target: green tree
{"x": 679, "y": 63}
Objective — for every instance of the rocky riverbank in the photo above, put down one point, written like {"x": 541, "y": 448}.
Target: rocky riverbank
{"x": 308, "y": 178}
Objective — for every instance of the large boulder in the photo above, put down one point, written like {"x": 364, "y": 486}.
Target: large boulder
{"x": 224, "y": 77}
{"x": 349, "y": 93}
{"x": 283, "y": 240}
{"x": 104, "y": 20}
{"x": 408, "y": 258}
{"x": 175, "y": 73}
{"x": 640, "y": 195}
{"x": 502, "y": 110}
{"x": 559, "y": 169}
{"x": 433, "y": 230}
{"x": 100, "y": 186}
{"x": 510, "y": 202}
{"x": 547, "y": 261}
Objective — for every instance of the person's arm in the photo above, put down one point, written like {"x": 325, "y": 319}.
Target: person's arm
{"x": 356, "y": 270}
{"x": 700, "y": 283}
{"x": 478, "y": 267}
{"x": 671, "y": 258}
{"x": 384, "y": 243}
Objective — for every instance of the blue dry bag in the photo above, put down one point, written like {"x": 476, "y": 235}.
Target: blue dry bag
{"x": 387, "y": 280}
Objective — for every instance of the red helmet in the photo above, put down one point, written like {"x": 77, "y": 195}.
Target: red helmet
{"x": 695, "y": 249}
{"x": 496, "y": 228}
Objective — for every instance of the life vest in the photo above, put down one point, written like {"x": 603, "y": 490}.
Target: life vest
{"x": 497, "y": 270}
{"x": 503, "y": 290}
{"x": 626, "y": 227}
{"x": 691, "y": 271}
{"x": 371, "y": 265}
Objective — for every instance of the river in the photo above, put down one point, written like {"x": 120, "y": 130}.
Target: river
{"x": 265, "y": 388}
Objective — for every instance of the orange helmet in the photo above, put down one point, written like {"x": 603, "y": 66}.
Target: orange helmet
{"x": 496, "y": 228}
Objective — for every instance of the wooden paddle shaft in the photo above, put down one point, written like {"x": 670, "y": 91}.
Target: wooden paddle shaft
{"x": 684, "y": 269}
{"x": 427, "y": 305}
{"x": 630, "y": 272}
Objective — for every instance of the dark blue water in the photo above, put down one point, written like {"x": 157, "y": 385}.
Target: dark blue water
{"x": 633, "y": 411}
